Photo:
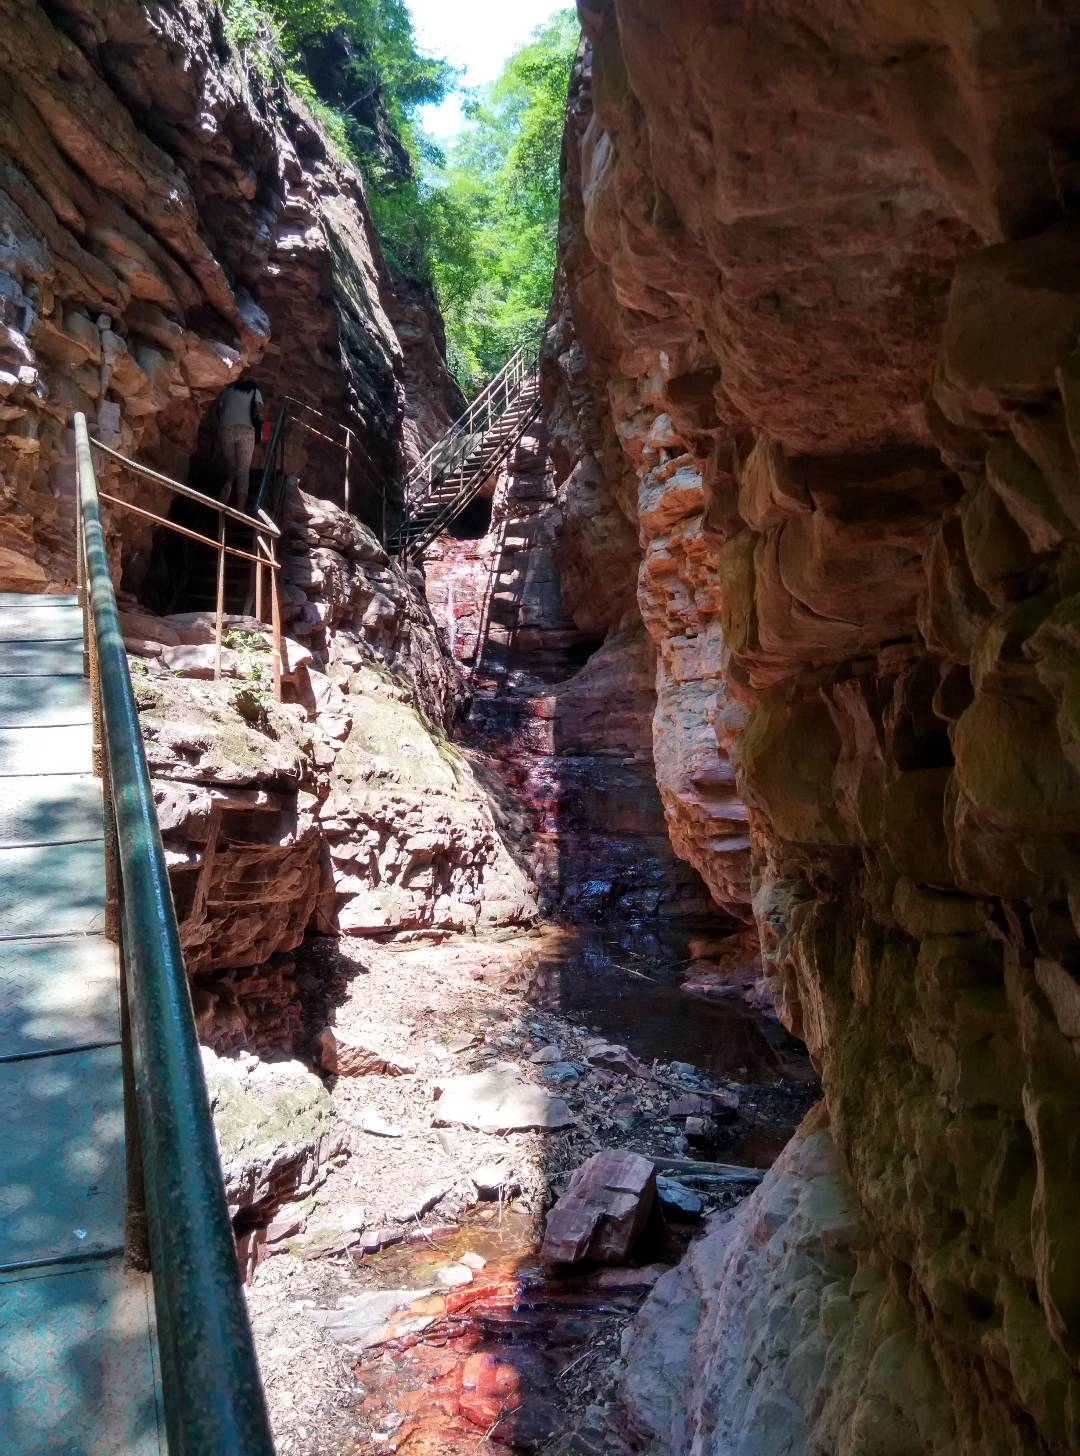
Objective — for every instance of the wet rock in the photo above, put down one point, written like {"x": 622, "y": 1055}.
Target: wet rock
{"x": 378, "y": 1315}
{"x": 454, "y": 1276}
{"x": 604, "y": 1211}
{"x": 562, "y": 1072}
{"x": 498, "y": 1100}
{"x": 614, "y": 1058}
{"x": 677, "y": 1199}
{"x": 689, "y": 1106}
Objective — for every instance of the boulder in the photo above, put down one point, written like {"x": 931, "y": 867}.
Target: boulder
{"x": 343, "y": 1055}
{"x": 604, "y": 1212}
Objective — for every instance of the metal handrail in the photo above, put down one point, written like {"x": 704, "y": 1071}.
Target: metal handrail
{"x": 469, "y": 488}
{"x": 213, "y": 1399}
{"x": 520, "y": 366}
{"x": 264, "y": 534}
{"x": 355, "y": 453}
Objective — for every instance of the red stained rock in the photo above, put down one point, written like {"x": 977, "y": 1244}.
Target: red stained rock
{"x": 604, "y": 1211}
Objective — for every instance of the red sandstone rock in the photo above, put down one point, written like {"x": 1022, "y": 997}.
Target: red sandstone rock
{"x": 604, "y": 1212}
{"x": 344, "y": 1055}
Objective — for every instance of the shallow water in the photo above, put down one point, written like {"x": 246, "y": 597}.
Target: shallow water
{"x": 514, "y": 1352}
{"x": 625, "y": 985}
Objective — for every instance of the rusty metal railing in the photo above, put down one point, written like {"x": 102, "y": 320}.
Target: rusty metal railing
{"x": 263, "y": 555}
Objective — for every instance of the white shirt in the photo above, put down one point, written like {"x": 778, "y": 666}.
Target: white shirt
{"x": 236, "y": 406}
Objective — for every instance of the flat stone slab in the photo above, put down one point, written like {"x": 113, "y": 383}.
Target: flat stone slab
{"x": 56, "y": 994}
{"x": 498, "y": 1100}
{"x": 77, "y": 1352}
{"x": 47, "y": 751}
{"x": 380, "y": 1315}
{"x": 62, "y": 1165}
{"x": 29, "y": 903}
{"x": 38, "y": 809}
{"x": 43, "y": 702}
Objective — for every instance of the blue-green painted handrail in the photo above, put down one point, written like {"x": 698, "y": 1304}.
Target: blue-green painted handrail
{"x": 213, "y": 1396}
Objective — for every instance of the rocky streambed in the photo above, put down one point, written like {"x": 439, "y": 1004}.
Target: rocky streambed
{"x": 404, "y": 1299}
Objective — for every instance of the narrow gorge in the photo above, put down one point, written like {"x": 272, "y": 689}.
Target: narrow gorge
{"x": 634, "y": 940}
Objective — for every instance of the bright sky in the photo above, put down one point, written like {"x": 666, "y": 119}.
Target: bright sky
{"x": 476, "y": 36}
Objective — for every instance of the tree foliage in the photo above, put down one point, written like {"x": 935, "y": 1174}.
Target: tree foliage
{"x": 479, "y": 224}
{"x": 495, "y": 206}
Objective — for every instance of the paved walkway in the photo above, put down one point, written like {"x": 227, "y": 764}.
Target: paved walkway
{"x": 77, "y": 1353}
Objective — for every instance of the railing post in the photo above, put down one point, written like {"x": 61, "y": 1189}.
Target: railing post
{"x": 219, "y": 619}
{"x": 275, "y": 621}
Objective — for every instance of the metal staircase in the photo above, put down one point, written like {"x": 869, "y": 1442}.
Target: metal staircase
{"x": 452, "y": 473}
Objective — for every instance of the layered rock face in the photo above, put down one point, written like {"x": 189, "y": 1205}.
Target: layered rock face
{"x": 170, "y": 219}
{"x": 564, "y": 717}
{"x": 818, "y": 344}
{"x": 344, "y": 809}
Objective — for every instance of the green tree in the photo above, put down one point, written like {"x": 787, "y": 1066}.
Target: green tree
{"x": 480, "y": 224}
{"x": 493, "y": 256}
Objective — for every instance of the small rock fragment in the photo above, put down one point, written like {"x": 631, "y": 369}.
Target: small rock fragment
{"x": 560, "y": 1072}
{"x": 546, "y": 1054}
{"x": 494, "y": 1180}
{"x": 454, "y": 1276}
{"x": 378, "y": 1126}
{"x": 474, "y": 1261}
{"x": 615, "y": 1058}
{"x": 676, "y": 1199}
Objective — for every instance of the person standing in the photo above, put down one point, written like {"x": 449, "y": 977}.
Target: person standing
{"x": 238, "y": 423}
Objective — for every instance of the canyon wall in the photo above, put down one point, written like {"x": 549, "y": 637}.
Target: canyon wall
{"x": 170, "y": 218}
{"x": 815, "y": 345}
{"x": 561, "y": 713}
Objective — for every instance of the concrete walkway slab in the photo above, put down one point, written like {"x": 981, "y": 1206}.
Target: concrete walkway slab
{"x": 34, "y": 623}
{"x": 57, "y": 994}
{"x": 42, "y": 659}
{"x": 78, "y": 1355}
{"x": 77, "y": 1341}
{"x": 43, "y": 702}
{"x": 64, "y": 1181}
{"x": 29, "y": 879}
{"x": 53, "y": 809}
{"x": 64, "y": 750}
{"x": 22, "y": 599}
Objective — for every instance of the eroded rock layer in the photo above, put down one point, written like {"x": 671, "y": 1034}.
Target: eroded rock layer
{"x": 169, "y": 218}
{"x": 817, "y": 344}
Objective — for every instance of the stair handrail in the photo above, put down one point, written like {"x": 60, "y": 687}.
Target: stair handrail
{"x": 263, "y": 557}
{"x": 371, "y": 474}
{"x": 509, "y": 380}
{"x": 213, "y": 1398}
{"x": 469, "y": 487}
